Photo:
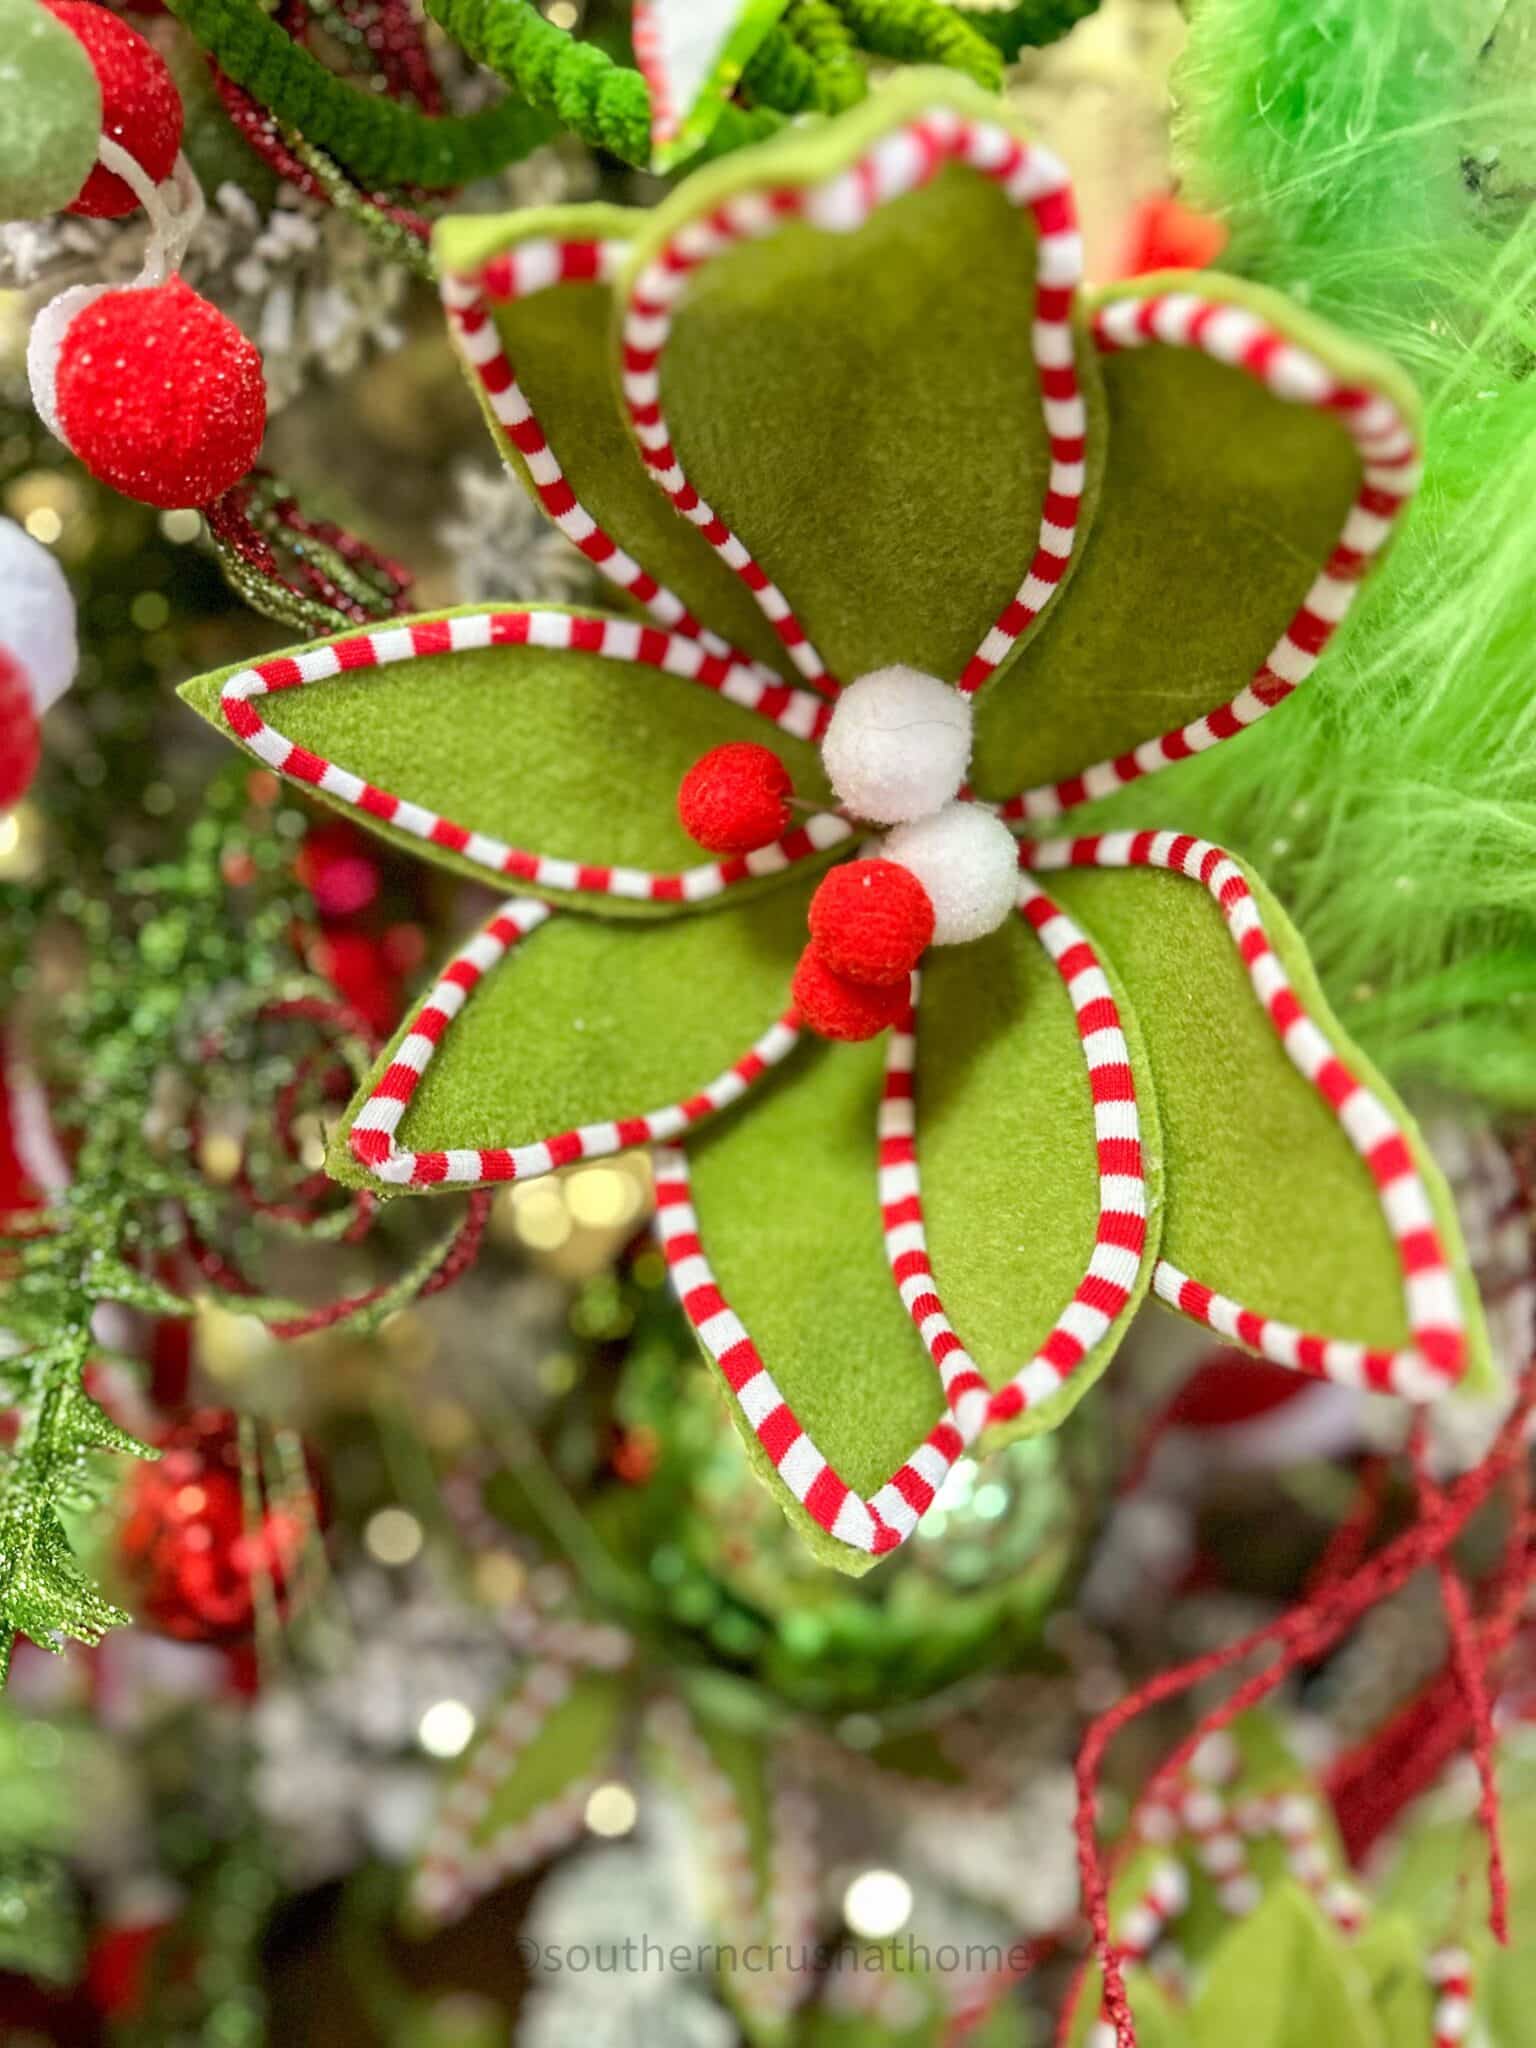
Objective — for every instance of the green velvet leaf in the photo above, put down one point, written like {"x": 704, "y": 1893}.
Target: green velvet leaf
{"x": 1266, "y": 1201}
{"x": 1219, "y": 505}
{"x": 863, "y": 409}
{"x": 1283, "y": 1979}
{"x": 785, "y": 1189}
{"x": 588, "y": 1019}
{"x": 559, "y": 342}
{"x": 1391, "y": 1951}
{"x": 559, "y": 753}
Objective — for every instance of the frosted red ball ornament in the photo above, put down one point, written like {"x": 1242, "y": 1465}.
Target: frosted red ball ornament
{"x": 140, "y": 106}
{"x": 836, "y": 1006}
{"x": 734, "y": 799}
{"x": 19, "y": 741}
{"x": 871, "y": 920}
{"x": 160, "y": 394}
{"x": 187, "y": 1548}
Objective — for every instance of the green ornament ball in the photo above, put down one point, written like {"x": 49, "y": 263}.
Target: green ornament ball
{"x": 50, "y": 112}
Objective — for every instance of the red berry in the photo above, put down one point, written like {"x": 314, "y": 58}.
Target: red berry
{"x": 160, "y": 395}
{"x": 140, "y": 106}
{"x": 18, "y": 732}
{"x": 871, "y": 920}
{"x": 838, "y": 1007}
{"x": 732, "y": 799}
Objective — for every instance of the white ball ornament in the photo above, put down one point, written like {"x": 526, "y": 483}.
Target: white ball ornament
{"x": 898, "y": 744}
{"x": 37, "y": 615}
{"x": 968, "y": 861}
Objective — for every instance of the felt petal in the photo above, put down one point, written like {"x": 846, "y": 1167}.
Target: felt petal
{"x": 551, "y": 1039}
{"x": 537, "y": 747}
{"x": 1258, "y": 463}
{"x": 529, "y": 301}
{"x": 522, "y": 1789}
{"x": 1299, "y": 1197}
{"x": 804, "y": 1267}
{"x": 1284, "y": 1979}
{"x": 849, "y": 361}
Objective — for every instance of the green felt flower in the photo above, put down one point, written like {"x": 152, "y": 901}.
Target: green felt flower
{"x": 836, "y": 406}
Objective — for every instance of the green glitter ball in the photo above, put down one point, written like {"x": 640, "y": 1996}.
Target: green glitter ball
{"x": 50, "y": 112}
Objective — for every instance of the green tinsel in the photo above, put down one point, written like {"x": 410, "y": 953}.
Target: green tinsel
{"x": 381, "y": 141}
{"x": 1394, "y": 802}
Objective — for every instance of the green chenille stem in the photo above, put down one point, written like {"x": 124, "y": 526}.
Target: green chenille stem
{"x": 925, "y": 32}
{"x": 780, "y": 74}
{"x": 827, "y": 40}
{"x": 381, "y": 141}
{"x": 603, "y": 103}
{"x": 1032, "y": 23}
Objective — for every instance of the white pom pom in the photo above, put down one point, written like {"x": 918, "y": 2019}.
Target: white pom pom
{"x": 968, "y": 861}
{"x": 898, "y": 745}
{"x": 49, "y": 328}
{"x": 37, "y": 615}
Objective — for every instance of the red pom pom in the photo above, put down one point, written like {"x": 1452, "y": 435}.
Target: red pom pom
{"x": 871, "y": 920}
{"x": 839, "y": 1007}
{"x": 140, "y": 106}
{"x": 160, "y": 395}
{"x": 186, "y": 1544}
{"x": 732, "y": 799}
{"x": 19, "y": 742}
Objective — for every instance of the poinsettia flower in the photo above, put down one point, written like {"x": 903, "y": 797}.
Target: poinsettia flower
{"x": 1118, "y": 529}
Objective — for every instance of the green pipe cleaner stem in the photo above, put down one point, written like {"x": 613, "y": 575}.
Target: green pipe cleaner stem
{"x": 605, "y": 104}
{"x": 923, "y": 32}
{"x": 1031, "y": 24}
{"x": 782, "y": 75}
{"x": 381, "y": 141}
{"x": 820, "y": 30}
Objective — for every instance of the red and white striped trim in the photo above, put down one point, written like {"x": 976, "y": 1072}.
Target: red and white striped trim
{"x": 795, "y": 711}
{"x": 900, "y": 162}
{"x": 517, "y": 273}
{"x": 1450, "y": 1971}
{"x": 454, "y": 1869}
{"x": 1390, "y": 455}
{"x": 890, "y": 1515}
{"x": 646, "y": 36}
{"x": 1293, "y": 1818}
{"x": 1436, "y": 1358}
{"x": 1219, "y": 1848}
{"x": 371, "y": 1139}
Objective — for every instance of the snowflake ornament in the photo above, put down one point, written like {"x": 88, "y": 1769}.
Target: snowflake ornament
{"x": 961, "y": 550}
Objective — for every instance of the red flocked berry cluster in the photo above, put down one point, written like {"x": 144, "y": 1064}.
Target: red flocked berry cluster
{"x": 18, "y": 732}
{"x": 870, "y": 923}
{"x": 735, "y": 798}
{"x": 140, "y": 106}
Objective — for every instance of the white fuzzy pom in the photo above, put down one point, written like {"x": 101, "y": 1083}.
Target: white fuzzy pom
{"x": 898, "y": 745}
{"x": 49, "y": 328}
{"x": 968, "y": 861}
{"x": 37, "y": 615}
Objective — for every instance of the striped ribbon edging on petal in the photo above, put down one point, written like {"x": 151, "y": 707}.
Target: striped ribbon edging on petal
{"x": 1293, "y": 1819}
{"x": 1390, "y": 456}
{"x": 1142, "y": 1926}
{"x": 894, "y": 1511}
{"x": 903, "y": 161}
{"x": 1436, "y": 1357}
{"x": 455, "y": 1870}
{"x": 468, "y": 297}
{"x": 372, "y": 1136}
{"x": 614, "y": 639}
{"x": 1450, "y": 1972}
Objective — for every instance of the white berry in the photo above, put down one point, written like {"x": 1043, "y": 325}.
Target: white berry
{"x": 37, "y": 615}
{"x": 898, "y": 745}
{"x": 968, "y": 861}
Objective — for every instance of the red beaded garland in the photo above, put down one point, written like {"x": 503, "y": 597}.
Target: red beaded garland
{"x": 871, "y": 921}
{"x": 836, "y": 1006}
{"x": 160, "y": 394}
{"x": 19, "y": 742}
{"x": 140, "y": 106}
{"x": 733, "y": 799}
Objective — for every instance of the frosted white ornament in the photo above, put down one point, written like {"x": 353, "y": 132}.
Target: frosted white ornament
{"x": 37, "y": 615}
{"x": 968, "y": 861}
{"x": 898, "y": 745}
